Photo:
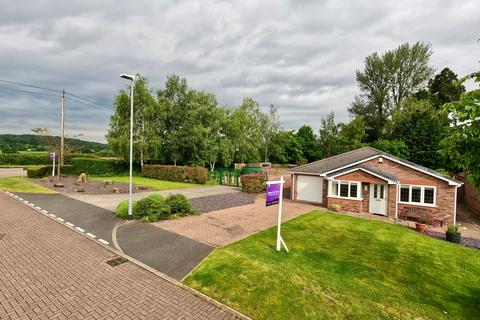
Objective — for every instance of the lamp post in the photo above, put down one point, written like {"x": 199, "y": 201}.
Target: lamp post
{"x": 132, "y": 79}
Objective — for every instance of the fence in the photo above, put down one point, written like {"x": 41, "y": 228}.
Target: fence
{"x": 231, "y": 177}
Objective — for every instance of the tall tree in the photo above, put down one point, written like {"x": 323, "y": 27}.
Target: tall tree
{"x": 421, "y": 127}
{"x": 462, "y": 144}
{"x": 444, "y": 88}
{"x": 328, "y": 136}
{"x": 118, "y": 135}
{"x": 269, "y": 127}
{"x": 386, "y": 81}
{"x": 308, "y": 143}
{"x": 352, "y": 135}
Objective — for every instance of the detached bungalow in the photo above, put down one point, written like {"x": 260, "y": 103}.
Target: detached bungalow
{"x": 368, "y": 180}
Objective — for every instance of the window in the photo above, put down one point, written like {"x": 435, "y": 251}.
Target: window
{"x": 345, "y": 189}
{"x": 404, "y": 193}
{"x": 421, "y": 195}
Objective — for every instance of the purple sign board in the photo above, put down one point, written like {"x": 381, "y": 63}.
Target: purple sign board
{"x": 273, "y": 193}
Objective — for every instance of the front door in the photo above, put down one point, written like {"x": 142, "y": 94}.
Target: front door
{"x": 378, "y": 198}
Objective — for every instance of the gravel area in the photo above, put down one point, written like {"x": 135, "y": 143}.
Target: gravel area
{"x": 468, "y": 242}
{"x": 223, "y": 201}
{"x": 70, "y": 185}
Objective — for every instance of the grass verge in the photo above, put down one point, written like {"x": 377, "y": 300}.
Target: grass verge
{"x": 342, "y": 267}
{"x": 153, "y": 184}
{"x": 19, "y": 184}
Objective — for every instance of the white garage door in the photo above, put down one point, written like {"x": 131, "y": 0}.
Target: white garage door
{"x": 309, "y": 188}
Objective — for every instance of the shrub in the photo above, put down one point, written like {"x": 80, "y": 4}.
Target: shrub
{"x": 152, "y": 206}
{"x": 451, "y": 228}
{"x": 122, "y": 209}
{"x": 179, "y": 204}
{"x": 253, "y": 183}
{"x": 99, "y": 167}
{"x": 24, "y": 158}
{"x": 176, "y": 173}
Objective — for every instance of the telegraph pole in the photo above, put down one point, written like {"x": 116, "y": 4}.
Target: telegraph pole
{"x": 62, "y": 133}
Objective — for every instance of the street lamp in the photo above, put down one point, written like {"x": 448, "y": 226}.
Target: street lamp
{"x": 132, "y": 79}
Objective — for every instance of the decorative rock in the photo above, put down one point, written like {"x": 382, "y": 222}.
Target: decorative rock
{"x": 82, "y": 178}
{"x": 47, "y": 179}
{"x": 80, "y": 190}
{"x": 116, "y": 190}
{"x": 142, "y": 188}
{"x": 58, "y": 185}
{"x": 107, "y": 183}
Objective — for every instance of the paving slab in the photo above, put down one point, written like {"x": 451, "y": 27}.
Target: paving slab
{"x": 51, "y": 272}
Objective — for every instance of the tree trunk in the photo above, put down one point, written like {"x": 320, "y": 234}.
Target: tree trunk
{"x": 212, "y": 166}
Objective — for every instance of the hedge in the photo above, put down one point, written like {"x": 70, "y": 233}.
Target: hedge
{"x": 47, "y": 171}
{"x": 99, "y": 167}
{"x": 24, "y": 159}
{"x": 176, "y": 173}
{"x": 253, "y": 182}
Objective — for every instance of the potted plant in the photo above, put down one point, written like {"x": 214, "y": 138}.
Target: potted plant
{"x": 335, "y": 207}
{"x": 453, "y": 234}
{"x": 421, "y": 224}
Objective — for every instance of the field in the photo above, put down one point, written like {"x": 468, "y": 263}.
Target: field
{"x": 19, "y": 184}
{"x": 342, "y": 267}
{"x": 153, "y": 184}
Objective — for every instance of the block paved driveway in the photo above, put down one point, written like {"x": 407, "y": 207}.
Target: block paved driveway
{"x": 48, "y": 271}
{"x": 168, "y": 252}
{"x": 221, "y": 227}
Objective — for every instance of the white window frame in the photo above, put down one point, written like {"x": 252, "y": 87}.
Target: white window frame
{"x": 422, "y": 195}
{"x": 350, "y": 183}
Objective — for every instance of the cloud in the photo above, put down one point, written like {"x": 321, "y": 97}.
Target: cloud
{"x": 300, "y": 56}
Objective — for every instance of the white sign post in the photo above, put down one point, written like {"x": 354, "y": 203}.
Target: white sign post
{"x": 274, "y": 194}
{"x": 52, "y": 156}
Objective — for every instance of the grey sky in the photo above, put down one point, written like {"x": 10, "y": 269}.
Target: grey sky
{"x": 298, "y": 55}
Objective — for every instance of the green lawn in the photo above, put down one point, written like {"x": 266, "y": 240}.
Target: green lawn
{"x": 20, "y": 184}
{"x": 152, "y": 183}
{"x": 342, "y": 267}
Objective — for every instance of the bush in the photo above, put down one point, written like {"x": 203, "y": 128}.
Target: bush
{"x": 176, "y": 173}
{"x": 122, "y": 209}
{"x": 154, "y": 207}
{"x": 179, "y": 204}
{"x": 99, "y": 167}
{"x": 253, "y": 183}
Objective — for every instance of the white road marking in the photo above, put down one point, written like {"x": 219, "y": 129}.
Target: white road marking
{"x": 38, "y": 208}
{"x": 44, "y": 211}
{"x": 91, "y": 235}
{"x": 26, "y": 202}
{"x": 103, "y": 241}
{"x": 15, "y": 196}
{"x": 60, "y": 219}
{"x": 52, "y": 215}
{"x": 80, "y": 229}
{"x": 21, "y": 199}
{"x": 69, "y": 223}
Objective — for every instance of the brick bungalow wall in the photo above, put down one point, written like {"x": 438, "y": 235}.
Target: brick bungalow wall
{"x": 470, "y": 196}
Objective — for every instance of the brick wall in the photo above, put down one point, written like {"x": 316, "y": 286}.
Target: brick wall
{"x": 469, "y": 195}
{"x": 347, "y": 205}
{"x": 445, "y": 199}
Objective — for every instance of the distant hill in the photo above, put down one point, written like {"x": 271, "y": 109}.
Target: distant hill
{"x": 24, "y": 142}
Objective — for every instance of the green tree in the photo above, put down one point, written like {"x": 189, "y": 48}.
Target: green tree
{"x": 444, "y": 88}
{"x": 269, "y": 127}
{"x": 462, "y": 144}
{"x": 287, "y": 148}
{"x": 386, "y": 81}
{"x": 352, "y": 135}
{"x": 421, "y": 128}
{"x": 329, "y": 136}
{"x": 397, "y": 148}
{"x": 308, "y": 143}
{"x": 144, "y": 133}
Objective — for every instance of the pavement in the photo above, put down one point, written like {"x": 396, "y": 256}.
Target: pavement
{"x": 12, "y": 172}
{"x": 50, "y": 271}
{"x": 111, "y": 201}
{"x": 469, "y": 220}
{"x": 163, "y": 250}
{"x": 222, "y": 227}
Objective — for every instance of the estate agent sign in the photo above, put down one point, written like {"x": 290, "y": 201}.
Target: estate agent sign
{"x": 274, "y": 196}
